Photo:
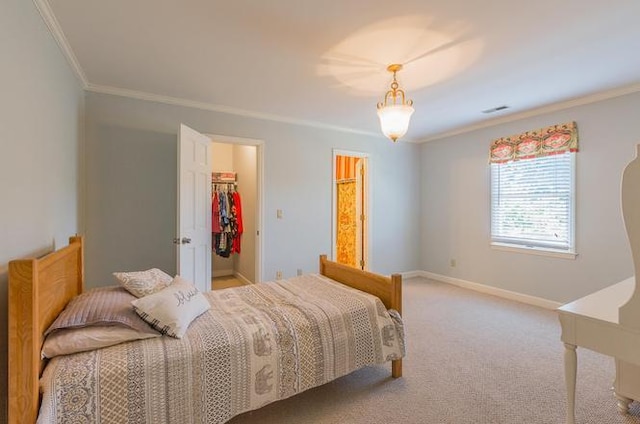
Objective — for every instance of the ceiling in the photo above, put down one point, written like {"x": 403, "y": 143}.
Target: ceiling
{"x": 323, "y": 63}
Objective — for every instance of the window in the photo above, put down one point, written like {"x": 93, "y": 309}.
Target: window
{"x": 532, "y": 202}
{"x": 532, "y": 191}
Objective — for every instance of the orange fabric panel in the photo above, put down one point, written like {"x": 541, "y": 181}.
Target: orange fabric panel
{"x": 346, "y": 167}
{"x": 347, "y": 224}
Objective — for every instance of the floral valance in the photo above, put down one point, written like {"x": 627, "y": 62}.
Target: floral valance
{"x": 531, "y": 144}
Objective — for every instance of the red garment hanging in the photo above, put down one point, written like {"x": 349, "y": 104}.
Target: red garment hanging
{"x": 235, "y": 247}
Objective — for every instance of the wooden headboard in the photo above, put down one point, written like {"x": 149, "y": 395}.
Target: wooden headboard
{"x": 38, "y": 291}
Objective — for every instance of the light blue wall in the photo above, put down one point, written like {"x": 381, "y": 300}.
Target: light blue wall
{"x": 131, "y": 188}
{"x": 455, "y": 199}
{"x": 41, "y": 119}
{"x": 430, "y": 202}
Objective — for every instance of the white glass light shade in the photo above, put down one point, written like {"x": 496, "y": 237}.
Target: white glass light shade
{"x": 394, "y": 120}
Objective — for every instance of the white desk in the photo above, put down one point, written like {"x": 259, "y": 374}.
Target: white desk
{"x": 592, "y": 322}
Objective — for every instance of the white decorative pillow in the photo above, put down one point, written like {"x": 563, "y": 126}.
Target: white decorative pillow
{"x": 172, "y": 309}
{"x": 81, "y": 339}
{"x": 143, "y": 283}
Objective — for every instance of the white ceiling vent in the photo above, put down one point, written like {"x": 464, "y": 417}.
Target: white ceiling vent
{"x": 496, "y": 109}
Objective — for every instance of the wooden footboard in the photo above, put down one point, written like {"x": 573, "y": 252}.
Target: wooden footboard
{"x": 38, "y": 291}
{"x": 388, "y": 289}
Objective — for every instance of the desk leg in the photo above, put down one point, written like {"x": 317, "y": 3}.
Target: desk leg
{"x": 570, "y": 367}
{"x": 623, "y": 403}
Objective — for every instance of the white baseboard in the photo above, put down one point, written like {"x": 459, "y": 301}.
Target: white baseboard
{"x": 242, "y": 278}
{"x": 221, "y": 272}
{"x": 506, "y": 294}
{"x": 412, "y": 274}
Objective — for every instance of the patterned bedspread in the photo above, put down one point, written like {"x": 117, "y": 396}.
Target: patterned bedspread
{"x": 256, "y": 344}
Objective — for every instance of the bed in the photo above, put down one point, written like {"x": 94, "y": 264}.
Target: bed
{"x": 39, "y": 289}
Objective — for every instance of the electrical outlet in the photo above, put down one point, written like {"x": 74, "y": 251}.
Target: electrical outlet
{"x": 452, "y": 263}
{"x": 299, "y": 272}
{"x": 278, "y": 275}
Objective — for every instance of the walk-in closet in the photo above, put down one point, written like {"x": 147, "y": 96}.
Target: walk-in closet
{"x": 234, "y": 203}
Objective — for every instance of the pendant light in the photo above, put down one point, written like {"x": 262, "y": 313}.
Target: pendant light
{"x": 395, "y": 112}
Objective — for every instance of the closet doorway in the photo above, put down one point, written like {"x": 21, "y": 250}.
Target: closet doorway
{"x": 236, "y": 176}
{"x": 350, "y": 190}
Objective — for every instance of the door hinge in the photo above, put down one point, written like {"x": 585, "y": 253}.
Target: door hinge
{"x": 362, "y": 263}
{"x": 362, "y": 217}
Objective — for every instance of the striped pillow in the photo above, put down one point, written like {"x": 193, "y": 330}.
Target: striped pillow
{"x": 99, "y": 307}
{"x": 82, "y": 339}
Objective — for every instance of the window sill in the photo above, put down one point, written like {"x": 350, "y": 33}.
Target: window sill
{"x": 534, "y": 251}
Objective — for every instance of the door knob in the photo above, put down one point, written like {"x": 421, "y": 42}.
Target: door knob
{"x": 185, "y": 240}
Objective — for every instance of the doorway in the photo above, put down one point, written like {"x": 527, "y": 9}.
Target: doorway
{"x": 236, "y": 176}
{"x": 194, "y": 235}
{"x": 350, "y": 208}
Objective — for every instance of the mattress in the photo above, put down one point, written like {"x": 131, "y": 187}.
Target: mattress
{"x": 257, "y": 344}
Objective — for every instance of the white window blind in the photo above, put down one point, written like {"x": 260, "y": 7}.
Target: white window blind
{"x": 532, "y": 202}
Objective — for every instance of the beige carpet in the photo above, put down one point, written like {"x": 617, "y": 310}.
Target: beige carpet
{"x": 225, "y": 282}
{"x": 472, "y": 358}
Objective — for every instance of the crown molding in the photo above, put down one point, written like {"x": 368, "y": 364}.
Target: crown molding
{"x": 50, "y": 20}
{"x": 54, "y": 28}
{"x": 592, "y": 98}
{"x": 176, "y": 101}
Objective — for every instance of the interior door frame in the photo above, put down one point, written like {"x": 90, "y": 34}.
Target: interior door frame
{"x": 367, "y": 204}
{"x": 259, "y": 144}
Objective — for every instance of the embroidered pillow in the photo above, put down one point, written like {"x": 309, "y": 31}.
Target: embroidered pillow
{"x": 143, "y": 283}
{"x": 172, "y": 309}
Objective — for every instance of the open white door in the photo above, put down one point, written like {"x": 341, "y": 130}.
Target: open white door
{"x": 194, "y": 208}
